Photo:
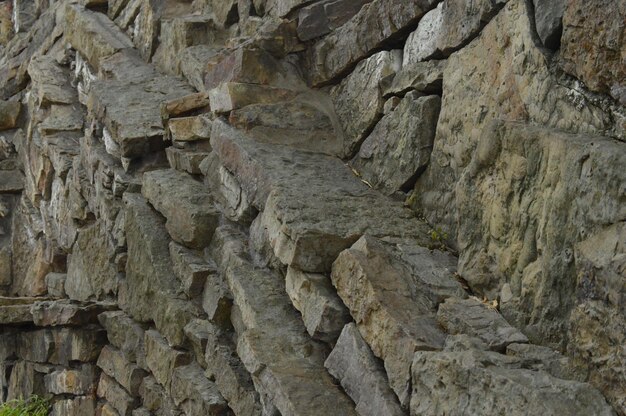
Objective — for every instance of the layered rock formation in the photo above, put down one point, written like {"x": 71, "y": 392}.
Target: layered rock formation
{"x": 288, "y": 207}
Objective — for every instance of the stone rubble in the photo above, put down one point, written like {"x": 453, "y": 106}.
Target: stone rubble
{"x": 313, "y": 207}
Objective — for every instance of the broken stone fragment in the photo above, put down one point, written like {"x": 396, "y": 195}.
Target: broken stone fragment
{"x": 549, "y": 21}
{"x": 162, "y": 359}
{"x": 64, "y": 312}
{"x": 231, "y": 96}
{"x": 115, "y": 364}
{"x": 195, "y": 394}
{"x": 190, "y": 129}
{"x": 190, "y": 269}
{"x": 186, "y": 160}
{"x": 243, "y": 65}
{"x": 179, "y": 107}
{"x": 78, "y": 381}
{"x": 125, "y": 334}
{"x": 322, "y": 17}
{"x": 425, "y": 77}
{"x": 361, "y": 375}
{"x": 116, "y": 396}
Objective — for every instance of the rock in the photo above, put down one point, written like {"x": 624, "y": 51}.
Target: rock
{"x": 494, "y": 383}
{"x": 91, "y": 272}
{"x": 549, "y": 21}
{"x": 56, "y": 284}
{"x": 117, "y": 397}
{"x": 125, "y": 334}
{"x": 193, "y": 63}
{"x": 11, "y": 181}
{"x": 9, "y": 112}
{"x": 426, "y": 77}
{"x": 197, "y": 331}
{"x": 186, "y": 160}
{"x": 358, "y": 100}
{"x": 471, "y": 317}
{"x": 302, "y": 123}
{"x": 155, "y": 398}
{"x": 323, "y": 313}
{"x": 172, "y": 314}
{"x": 376, "y": 24}
{"x": 114, "y": 363}
{"x": 217, "y": 300}
{"x": 80, "y": 381}
{"x": 74, "y": 407}
{"x": 147, "y": 26}
{"x": 195, "y": 394}
{"x": 190, "y": 269}
{"x": 185, "y": 203}
{"x": 601, "y": 35}
{"x": 179, "y": 107}
{"x": 190, "y": 129}
{"x": 477, "y": 82}
{"x": 50, "y": 82}
{"x": 394, "y": 164}
{"x": 162, "y": 360}
{"x": 60, "y": 346}
{"x": 231, "y": 377}
{"x": 395, "y": 317}
{"x": 323, "y": 17}
{"x": 16, "y": 314}
{"x": 423, "y": 42}
{"x": 231, "y": 96}
{"x": 62, "y": 312}
{"x": 535, "y": 357}
{"x": 299, "y": 212}
{"x": 243, "y": 65}
{"x": 93, "y": 34}
{"x": 361, "y": 375}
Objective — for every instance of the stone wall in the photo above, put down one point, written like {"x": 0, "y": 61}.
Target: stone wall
{"x": 329, "y": 207}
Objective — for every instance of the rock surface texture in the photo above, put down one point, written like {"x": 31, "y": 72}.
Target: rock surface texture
{"x": 313, "y": 207}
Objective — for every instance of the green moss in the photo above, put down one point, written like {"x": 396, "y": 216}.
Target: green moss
{"x": 33, "y": 406}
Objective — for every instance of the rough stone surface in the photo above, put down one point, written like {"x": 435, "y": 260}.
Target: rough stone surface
{"x": 549, "y": 21}
{"x": 361, "y": 375}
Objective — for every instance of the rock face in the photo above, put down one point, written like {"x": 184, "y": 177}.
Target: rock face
{"x": 313, "y": 207}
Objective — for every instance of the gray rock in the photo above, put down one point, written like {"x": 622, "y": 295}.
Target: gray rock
{"x": 398, "y": 149}
{"x": 303, "y": 194}
{"x": 156, "y": 399}
{"x": 195, "y": 394}
{"x": 190, "y": 269}
{"x": 62, "y": 345}
{"x": 189, "y": 129}
{"x": 358, "y": 99}
{"x": 185, "y": 203}
{"x": 197, "y": 331}
{"x": 312, "y": 294}
{"x": 77, "y": 406}
{"x": 63, "y": 312}
{"x": 549, "y": 21}
{"x": 78, "y": 382}
{"x": 322, "y": 17}
{"x": 426, "y": 77}
{"x": 117, "y": 397}
{"x": 56, "y": 284}
{"x": 232, "y": 95}
{"x": 486, "y": 383}
{"x": 115, "y": 364}
{"x": 243, "y": 65}
{"x": 472, "y": 317}
{"x": 217, "y": 300}
{"x": 536, "y": 357}
{"x": 361, "y": 375}
{"x": 162, "y": 359}
{"x": 125, "y": 334}
{"x": 51, "y": 82}
{"x": 422, "y": 44}
{"x": 395, "y": 317}
{"x": 11, "y": 181}
{"x": 377, "y": 23}
{"x": 186, "y": 160}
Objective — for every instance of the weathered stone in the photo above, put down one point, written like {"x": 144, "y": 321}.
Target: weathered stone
{"x": 323, "y": 17}
{"x": 132, "y": 111}
{"x": 107, "y": 410}
{"x": 185, "y": 203}
{"x": 91, "y": 272}
{"x": 50, "y": 82}
{"x": 190, "y": 269}
{"x": 486, "y": 383}
{"x": 93, "y": 34}
{"x": 217, "y": 300}
{"x": 162, "y": 359}
{"x": 549, "y": 21}
{"x": 231, "y": 377}
{"x": 426, "y": 77}
{"x": 186, "y": 160}
{"x": 125, "y": 334}
{"x": 394, "y": 315}
{"x": 197, "y": 331}
{"x": 179, "y": 107}
{"x": 358, "y": 99}
{"x": 472, "y": 317}
{"x": 77, "y": 406}
{"x": 115, "y": 364}
{"x": 115, "y": 394}
{"x": 231, "y": 96}
{"x": 193, "y": 63}
{"x": 377, "y": 23}
{"x": 172, "y": 314}
{"x": 9, "y": 111}
{"x": 27, "y": 379}
{"x": 195, "y": 394}
{"x": 398, "y": 149}
{"x": 303, "y": 194}
{"x": 593, "y": 29}
{"x": 60, "y": 346}
{"x": 189, "y": 129}
{"x": 146, "y": 27}
{"x": 422, "y": 44}
{"x": 155, "y": 399}
{"x": 243, "y": 65}
{"x": 56, "y": 284}
{"x": 303, "y": 123}
{"x": 11, "y": 181}
{"x": 535, "y": 357}
{"x": 16, "y": 314}
{"x": 361, "y": 375}
{"x": 80, "y": 381}
{"x": 323, "y": 313}
{"x": 62, "y": 312}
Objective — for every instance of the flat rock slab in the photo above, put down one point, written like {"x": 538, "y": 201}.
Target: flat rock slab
{"x": 472, "y": 317}
{"x": 62, "y": 312}
{"x": 393, "y": 310}
{"x": 361, "y": 375}
{"x": 11, "y": 181}
{"x": 426, "y": 77}
{"x": 185, "y": 203}
{"x": 132, "y": 111}
{"x": 313, "y": 205}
